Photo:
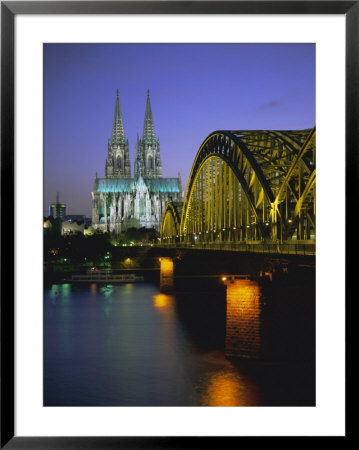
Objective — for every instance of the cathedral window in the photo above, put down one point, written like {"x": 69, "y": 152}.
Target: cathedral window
{"x": 142, "y": 207}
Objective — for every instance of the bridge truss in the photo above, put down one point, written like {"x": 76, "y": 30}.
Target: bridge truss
{"x": 248, "y": 186}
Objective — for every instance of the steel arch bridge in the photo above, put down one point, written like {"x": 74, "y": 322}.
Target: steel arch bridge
{"x": 247, "y": 186}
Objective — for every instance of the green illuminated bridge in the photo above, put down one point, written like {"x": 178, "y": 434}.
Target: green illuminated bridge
{"x": 248, "y": 190}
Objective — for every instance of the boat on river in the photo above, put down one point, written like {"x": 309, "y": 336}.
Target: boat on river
{"x": 106, "y": 276}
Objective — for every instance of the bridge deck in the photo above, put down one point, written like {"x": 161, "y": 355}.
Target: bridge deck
{"x": 273, "y": 248}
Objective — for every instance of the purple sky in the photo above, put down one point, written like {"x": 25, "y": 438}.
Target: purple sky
{"x": 195, "y": 89}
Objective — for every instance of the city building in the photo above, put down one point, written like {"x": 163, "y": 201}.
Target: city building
{"x": 120, "y": 202}
{"x": 75, "y": 223}
{"x": 72, "y": 227}
{"x": 76, "y": 218}
{"x": 57, "y": 210}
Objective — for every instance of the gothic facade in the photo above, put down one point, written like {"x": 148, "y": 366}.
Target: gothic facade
{"x": 119, "y": 201}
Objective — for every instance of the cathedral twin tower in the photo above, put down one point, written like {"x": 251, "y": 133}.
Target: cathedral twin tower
{"x": 121, "y": 202}
{"x": 147, "y": 160}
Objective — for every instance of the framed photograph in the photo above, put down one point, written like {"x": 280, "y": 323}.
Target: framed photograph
{"x": 168, "y": 275}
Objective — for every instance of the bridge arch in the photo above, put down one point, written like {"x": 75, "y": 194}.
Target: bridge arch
{"x": 298, "y": 190}
{"x": 170, "y": 227}
{"x": 251, "y": 186}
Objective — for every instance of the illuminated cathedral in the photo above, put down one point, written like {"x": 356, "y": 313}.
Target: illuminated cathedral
{"x": 120, "y": 202}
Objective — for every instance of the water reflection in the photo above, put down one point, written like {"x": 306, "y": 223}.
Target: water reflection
{"x": 66, "y": 289}
{"x": 223, "y": 390}
{"x": 107, "y": 290}
{"x": 130, "y": 345}
{"x": 93, "y": 289}
{"x": 60, "y": 291}
{"x": 53, "y": 293}
{"x": 161, "y": 300}
{"x": 227, "y": 388}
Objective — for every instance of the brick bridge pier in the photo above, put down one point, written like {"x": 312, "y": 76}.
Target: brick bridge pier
{"x": 270, "y": 299}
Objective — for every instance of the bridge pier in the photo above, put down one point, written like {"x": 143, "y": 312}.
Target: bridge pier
{"x": 270, "y": 300}
{"x": 243, "y": 318}
{"x": 271, "y": 318}
{"x": 166, "y": 275}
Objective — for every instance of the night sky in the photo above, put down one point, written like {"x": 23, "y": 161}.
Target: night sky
{"x": 195, "y": 89}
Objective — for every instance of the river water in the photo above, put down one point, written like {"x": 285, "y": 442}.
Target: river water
{"x": 130, "y": 345}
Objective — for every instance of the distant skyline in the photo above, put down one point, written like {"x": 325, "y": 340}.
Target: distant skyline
{"x": 195, "y": 89}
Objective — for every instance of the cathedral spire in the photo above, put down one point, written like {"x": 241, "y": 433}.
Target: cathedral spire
{"x": 118, "y": 133}
{"x": 118, "y": 157}
{"x": 149, "y": 136}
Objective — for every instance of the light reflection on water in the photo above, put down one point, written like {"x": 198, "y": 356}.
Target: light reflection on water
{"x": 228, "y": 388}
{"x": 127, "y": 345}
{"x": 162, "y": 301}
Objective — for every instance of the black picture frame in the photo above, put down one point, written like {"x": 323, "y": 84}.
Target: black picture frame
{"x": 9, "y": 9}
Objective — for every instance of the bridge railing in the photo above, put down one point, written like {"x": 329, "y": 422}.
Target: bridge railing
{"x": 265, "y": 248}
